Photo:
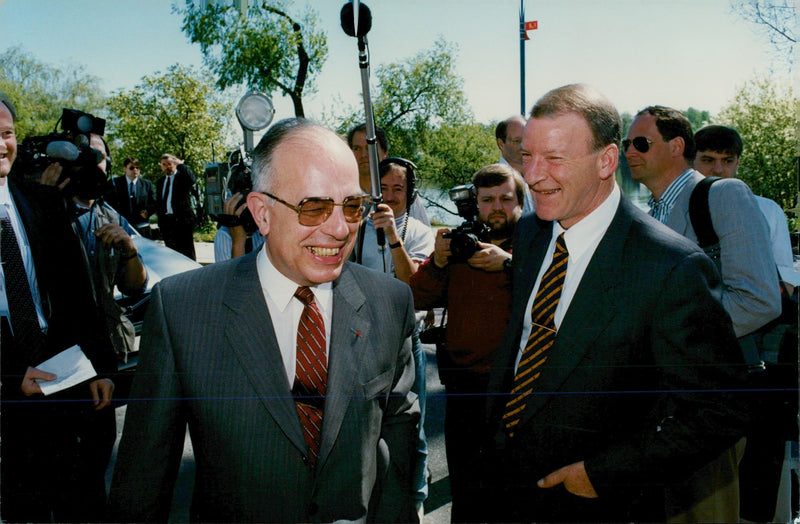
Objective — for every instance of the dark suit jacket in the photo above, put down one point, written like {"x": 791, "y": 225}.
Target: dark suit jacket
{"x": 65, "y": 287}
{"x": 638, "y": 382}
{"x": 182, "y": 190}
{"x": 210, "y": 359}
{"x": 144, "y": 199}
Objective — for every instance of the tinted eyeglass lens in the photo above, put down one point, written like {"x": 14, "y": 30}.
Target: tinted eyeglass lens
{"x": 640, "y": 143}
{"x": 314, "y": 212}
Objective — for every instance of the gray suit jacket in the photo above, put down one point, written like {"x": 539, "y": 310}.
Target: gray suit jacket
{"x": 638, "y": 384}
{"x": 210, "y": 359}
{"x": 750, "y": 294}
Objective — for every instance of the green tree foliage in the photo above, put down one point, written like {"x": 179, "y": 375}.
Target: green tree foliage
{"x": 765, "y": 114}
{"x": 697, "y": 118}
{"x": 175, "y": 112}
{"x": 266, "y": 50}
{"x": 421, "y": 104}
{"x": 40, "y": 91}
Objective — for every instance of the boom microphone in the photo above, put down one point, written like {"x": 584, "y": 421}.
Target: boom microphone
{"x": 362, "y": 20}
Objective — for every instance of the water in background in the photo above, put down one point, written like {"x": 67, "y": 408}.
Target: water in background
{"x": 438, "y": 203}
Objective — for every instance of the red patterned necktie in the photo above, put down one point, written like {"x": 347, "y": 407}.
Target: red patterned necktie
{"x": 311, "y": 375}
{"x": 543, "y": 334}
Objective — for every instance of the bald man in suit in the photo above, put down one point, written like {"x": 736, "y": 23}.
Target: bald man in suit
{"x": 221, "y": 353}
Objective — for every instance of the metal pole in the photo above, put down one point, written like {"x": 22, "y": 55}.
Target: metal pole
{"x": 521, "y": 58}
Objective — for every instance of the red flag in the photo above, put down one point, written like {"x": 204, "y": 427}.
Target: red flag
{"x": 531, "y": 26}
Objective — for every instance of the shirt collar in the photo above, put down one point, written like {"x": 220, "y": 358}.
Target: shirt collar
{"x": 584, "y": 234}
{"x": 280, "y": 289}
{"x": 661, "y": 208}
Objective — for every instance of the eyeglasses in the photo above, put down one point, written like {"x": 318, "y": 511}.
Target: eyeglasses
{"x": 314, "y": 211}
{"x": 640, "y": 143}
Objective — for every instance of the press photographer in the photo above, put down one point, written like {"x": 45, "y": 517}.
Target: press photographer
{"x": 80, "y": 174}
{"x": 236, "y": 231}
{"x": 468, "y": 274}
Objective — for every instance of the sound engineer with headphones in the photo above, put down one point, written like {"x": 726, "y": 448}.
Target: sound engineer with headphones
{"x": 408, "y": 242}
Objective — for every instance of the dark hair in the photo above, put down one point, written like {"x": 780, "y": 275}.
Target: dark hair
{"x": 264, "y": 151}
{"x": 720, "y": 139}
{"x": 131, "y": 161}
{"x": 501, "y": 131}
{"x": 411, "y": 176}
{"x": 594, "y": 107}
{"x": 380, "y": 135}
{"x": 671, "y": 123}
{"x": 495, "y": 175}
{"x": 10, "y": 105}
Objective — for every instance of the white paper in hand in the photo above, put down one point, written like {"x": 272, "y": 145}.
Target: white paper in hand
{"x": 71, "y": 367}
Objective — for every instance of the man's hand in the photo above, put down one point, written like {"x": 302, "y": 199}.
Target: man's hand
{"x": 235, "y": 205}
{"x": 488, "y": 258}
{"x": 112, "y": 235}
{"x": 29, "y": 386}
{"x": 102, "y": 390}
{"x": 383, "y": 218}
{"x": 441, "y": 248}
{"x": 51, "y": 175}
{"x": 575, "y": 480}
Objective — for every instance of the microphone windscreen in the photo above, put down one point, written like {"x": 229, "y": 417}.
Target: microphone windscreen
{"x": 364, "y": 19}
{"x": 62, "y": 149}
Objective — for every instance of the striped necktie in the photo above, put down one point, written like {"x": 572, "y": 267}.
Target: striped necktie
{"x": 543, "y": 334}
{"x": 311, "y": 375}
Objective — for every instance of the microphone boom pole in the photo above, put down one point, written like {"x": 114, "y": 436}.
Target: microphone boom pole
{"x": 357, "y": 21}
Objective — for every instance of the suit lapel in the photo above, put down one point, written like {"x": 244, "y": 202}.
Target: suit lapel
{"x": 589, "y": 314}
{"x": 250, "y": 335}
{"x": 349, "y": 333}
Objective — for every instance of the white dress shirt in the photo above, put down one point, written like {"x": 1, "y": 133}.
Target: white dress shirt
{"x": 582, "y": 240}
{"x": 285, "y": 310}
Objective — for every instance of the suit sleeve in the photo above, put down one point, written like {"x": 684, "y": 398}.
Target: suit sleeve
{"x": 393, "y": 500}
{"x": 703, "y": 407}
{"x": 751, "y": 294}
{"x": 429, "y": 285}
{"x": 155, "y": 427}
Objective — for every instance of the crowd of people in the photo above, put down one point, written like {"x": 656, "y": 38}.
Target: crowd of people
{"x": 601, "y": 363}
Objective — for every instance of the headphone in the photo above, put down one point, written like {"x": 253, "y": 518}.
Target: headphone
{"x": 411, "y": 177}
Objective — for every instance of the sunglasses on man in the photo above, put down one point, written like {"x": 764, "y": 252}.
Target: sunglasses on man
{"x": 640, "y": 143}
{"x": 314, "y": 211}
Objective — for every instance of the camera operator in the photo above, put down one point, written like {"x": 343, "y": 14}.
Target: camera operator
{"x": 477, "y": 292}
{"x": 108, "y": 240}
{"x": 55, "y": 450}
{"x": 234, "y": 241}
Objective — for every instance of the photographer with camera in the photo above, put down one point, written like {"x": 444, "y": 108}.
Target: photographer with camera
{"x": 234, "y": 240}
{"x": 106, "y": 235}
{"x": 467, "y": 274}
{"x": 54, "y": 450}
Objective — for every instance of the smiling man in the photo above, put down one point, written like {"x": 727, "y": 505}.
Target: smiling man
{"x": 613, "y": 377}
{"x": 291, "y": 366}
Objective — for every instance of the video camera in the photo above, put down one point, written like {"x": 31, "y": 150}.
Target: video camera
{"x": 224, "y": 179}
{"x": 71, "y": 149}
{"x": 464, "y": 239}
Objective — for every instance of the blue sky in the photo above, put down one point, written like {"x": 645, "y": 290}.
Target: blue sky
{"x": 679, "y": 53}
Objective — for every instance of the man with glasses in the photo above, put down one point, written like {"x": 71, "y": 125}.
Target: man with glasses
{"x": 133, "y": 196}
{"x": 291, "y": 366}
{"x": 660, "y": 148}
